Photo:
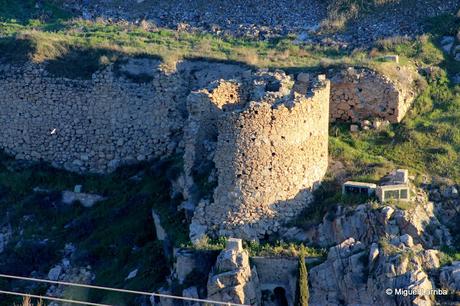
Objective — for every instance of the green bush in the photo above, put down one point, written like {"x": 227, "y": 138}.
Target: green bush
{"x": 303, "y": 293}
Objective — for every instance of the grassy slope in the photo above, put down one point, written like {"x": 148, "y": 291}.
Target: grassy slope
{"x": 114, "y": 237}
{"x": 55, "y": 38}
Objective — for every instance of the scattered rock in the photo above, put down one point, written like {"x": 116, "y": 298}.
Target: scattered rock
{"x": 191, "y": 292}
{"x": 450, "y": 276}
{"x": 54, "y": 273}
{"x": 354, "y": 128}
{"x": 86, "y": 199}
{"x": 374, "y": 252}
{"x": 132, "y": 274}
{"x": 159, "y": 230}
{"x": 447, "y": 42}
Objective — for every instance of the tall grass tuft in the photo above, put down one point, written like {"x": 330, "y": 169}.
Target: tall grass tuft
{"x": 27, "y": 301}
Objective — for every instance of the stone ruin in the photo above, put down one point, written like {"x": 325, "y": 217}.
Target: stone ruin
{"x": 254, "y": 144}
{"x": 267, "y": 137}
{"x": 361, "y": 94}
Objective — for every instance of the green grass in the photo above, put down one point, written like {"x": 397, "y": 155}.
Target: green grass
{"x": 270, "y": 249}
{"x": 68, "y": 46}
{"x": 426, "y": 142}
{"x": 448, "y": 255}
{"x": 115, "y": 237}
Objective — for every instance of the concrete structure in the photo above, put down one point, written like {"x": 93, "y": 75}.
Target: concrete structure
{"x": 394, "y": 186}
{"x": 399, "y": 176}
{"x": 399, "y": 192}
{"x": 277, "y": 273}
{"x": 358, "y": 188}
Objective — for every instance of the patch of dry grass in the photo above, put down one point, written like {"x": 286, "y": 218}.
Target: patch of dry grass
{"x": 27, "y": 301}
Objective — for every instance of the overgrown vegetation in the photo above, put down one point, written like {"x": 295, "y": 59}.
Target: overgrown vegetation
{"x": 269, "y": 249}
{"x": 449, "y": 255}
{"x": 114, "y": 237}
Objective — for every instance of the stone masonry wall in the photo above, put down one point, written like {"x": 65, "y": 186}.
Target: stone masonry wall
{"x": 270, "y": 154}
{"x": 85, "y": 125}
{"x": 361, "y": 94}
{"x": 200, "y": 132}
{"x": 98, "y": 124}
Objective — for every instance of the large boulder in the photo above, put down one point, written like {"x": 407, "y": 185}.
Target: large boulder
{"x": 450, "y": 277}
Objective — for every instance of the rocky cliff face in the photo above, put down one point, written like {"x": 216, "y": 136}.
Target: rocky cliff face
{"x": 368, "y": 223}
{"x": 356, "y": 275}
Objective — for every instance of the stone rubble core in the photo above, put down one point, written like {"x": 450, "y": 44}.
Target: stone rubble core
{"x": 270, "y": 136}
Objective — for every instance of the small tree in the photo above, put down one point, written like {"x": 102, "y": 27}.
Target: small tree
{"x": 303, "y": 294}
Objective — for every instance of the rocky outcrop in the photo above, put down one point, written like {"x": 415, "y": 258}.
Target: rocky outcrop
{"x": 367, "y": 224}
{"x": 85, "y": 199}
{"x": 66, "y": 271}
{"x": 232, "y": 279}
{"x": 451, "y": 45}
{"x": 450, "y": 277}
{"x": 355, "y": 275}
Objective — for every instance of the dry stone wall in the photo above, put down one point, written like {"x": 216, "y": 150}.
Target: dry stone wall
{"x": 361, "y": 94}
{"x": 86, "y": 125}
{"x": 98, "y": 124}
{"x": 270, "y": 153}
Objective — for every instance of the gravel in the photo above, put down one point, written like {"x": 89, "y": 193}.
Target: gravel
{"x": 265, "y": 19}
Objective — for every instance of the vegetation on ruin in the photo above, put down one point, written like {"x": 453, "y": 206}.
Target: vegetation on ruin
{"x": 427, "y": 141}
{"x": 268, "y": 249}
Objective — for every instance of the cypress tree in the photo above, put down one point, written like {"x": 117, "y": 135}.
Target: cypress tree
{"x": 303, "y": 293}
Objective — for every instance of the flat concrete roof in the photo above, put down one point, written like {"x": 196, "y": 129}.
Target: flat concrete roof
{"x": 394, "y": 186}
{"x": 360, "y": 184}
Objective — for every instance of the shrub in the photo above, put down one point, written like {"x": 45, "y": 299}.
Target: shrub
{"x": 303, "y": 293}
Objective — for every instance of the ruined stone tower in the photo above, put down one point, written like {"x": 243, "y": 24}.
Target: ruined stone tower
{"x": 271, "y": 150}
